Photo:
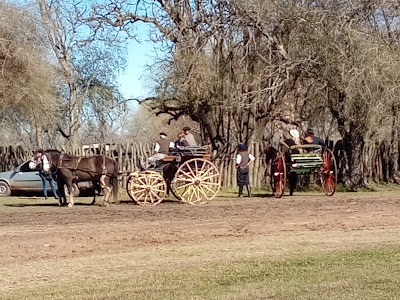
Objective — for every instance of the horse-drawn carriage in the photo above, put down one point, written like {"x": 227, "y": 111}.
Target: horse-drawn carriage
{"x": 187, "y": 172}
{"x": 307, "y": 159}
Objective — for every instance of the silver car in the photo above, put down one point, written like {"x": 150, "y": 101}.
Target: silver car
{"x": 25, "y": 179}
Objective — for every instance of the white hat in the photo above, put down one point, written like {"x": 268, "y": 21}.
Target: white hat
{"x": 294, "y": 133}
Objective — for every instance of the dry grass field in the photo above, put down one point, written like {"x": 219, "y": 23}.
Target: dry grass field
{"x": 302, "y": 247}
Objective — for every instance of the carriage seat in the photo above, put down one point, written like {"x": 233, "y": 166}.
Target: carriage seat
{"x": 311, "y": 159}
{"x": 191, "y": 150}
{"x": 309, "y": 148}
{"x": 168, "y": 158}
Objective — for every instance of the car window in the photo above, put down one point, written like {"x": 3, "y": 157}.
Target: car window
{"x": 25, "y": 168}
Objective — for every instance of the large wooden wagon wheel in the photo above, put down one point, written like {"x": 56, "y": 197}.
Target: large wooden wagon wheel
{"x": 278, "y": 174}
{"x": 146, "y": 188}
{"x": 328, "y": 173}
{"x": 196, "y": 181}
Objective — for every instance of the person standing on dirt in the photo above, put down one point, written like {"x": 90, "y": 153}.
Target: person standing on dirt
{"x": 292, "y": 141}
{"x": 161, "y": 149}
{"x": 243, "y": 160}
{"x": 47, "y": 177}
{"x": 188, "y": 136}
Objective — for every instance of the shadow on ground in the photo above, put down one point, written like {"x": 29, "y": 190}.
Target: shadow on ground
{"x": 55, "y": 204}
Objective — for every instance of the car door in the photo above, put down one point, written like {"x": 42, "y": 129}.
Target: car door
{"x": 25, "y": 178}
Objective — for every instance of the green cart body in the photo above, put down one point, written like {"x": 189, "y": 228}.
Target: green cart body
{"x": 314, "y": 160}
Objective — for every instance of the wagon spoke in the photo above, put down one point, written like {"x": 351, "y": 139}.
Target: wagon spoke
{"x": 209, "y": 189}
{"x": 156, "y": 195}
{"x": 205, "y": 195}
{"x": 193, "y": 191}
{"x": 186, "y": 174}
{"x": 208, "y": 171}
{"x": 210, "y": 183}
{"x": 210, "y": 176}
{"x": 190, "y": 170}
{"x": 151, "y": 197}
{"x": 185, "y": 192}
{"x": 196, "y": 196}
{"x": 137, "y": 191}
{"x": 141, "y": 180}
{"x": 184, "y": 186}
{"x": 184, "y": 179}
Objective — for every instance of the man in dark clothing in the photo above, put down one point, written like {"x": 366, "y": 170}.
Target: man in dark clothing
{"x": 312, "y": 139}
{"x": 161, "y": 149}
{"x": 294, "y": 140}
{"x": 181, "y": 141}
{"x": 243, "y": 160}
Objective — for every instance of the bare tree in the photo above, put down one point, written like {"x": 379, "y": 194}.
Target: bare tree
{"x": 237, "y": 66}
{"x": 85, "y": 61}
{"x": 27, "y": 94}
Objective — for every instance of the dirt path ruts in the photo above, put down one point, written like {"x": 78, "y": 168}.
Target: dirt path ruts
{"x": 46, "y": 232}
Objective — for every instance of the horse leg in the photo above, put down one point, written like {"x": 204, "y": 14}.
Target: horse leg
{"x": 61, "y": 193}
{"x": 94, "y": 192}
{"x": 71, "y": 196}
{"x": 106, "y": 190}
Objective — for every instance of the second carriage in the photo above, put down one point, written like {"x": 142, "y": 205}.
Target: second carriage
{"x": 314, "y": 160}
{"x": 186, "y": 172}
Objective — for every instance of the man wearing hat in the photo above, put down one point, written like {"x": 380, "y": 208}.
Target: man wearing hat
{"x": 188, "y": 136}
{"x": 243, "y": 160}
{"x": 161, "y": 149}
{"x": 293, "y": 140}
{"x": 312, "y": 139}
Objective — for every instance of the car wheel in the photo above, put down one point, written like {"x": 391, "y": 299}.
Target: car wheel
{"x": 5, "y": 189}
{"x": 75, "y": 190}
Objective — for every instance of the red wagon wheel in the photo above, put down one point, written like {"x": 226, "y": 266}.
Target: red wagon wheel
{"x": 328, "y": 173}
{"x": 278, "y": 174}
{"x": 146, "y": 188}
{"x": 196, "y": 181}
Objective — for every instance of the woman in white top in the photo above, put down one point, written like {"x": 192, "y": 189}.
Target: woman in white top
{"x": 243, "y": 160}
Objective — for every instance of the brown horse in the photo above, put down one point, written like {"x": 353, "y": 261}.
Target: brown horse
{"x": 70, "y": 169}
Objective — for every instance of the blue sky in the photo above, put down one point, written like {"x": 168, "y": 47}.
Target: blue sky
{"x": 132, "y": 80}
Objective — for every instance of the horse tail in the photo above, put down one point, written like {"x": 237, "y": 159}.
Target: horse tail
{"x": 114, "y": 182}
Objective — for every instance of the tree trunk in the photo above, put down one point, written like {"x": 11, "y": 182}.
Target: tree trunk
{"x": 394, "y": 144}
{"x": 354, "y": 145}
{"x": 74, "y": 120}
{"x": 38, "y": 133}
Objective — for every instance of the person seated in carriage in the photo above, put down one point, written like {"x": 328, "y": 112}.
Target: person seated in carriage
{"x": 161, "y": 149}
{"x": 312, "y": 139}
{"x": 292, "y": 141}
{"x": 189, "y": 137}
{"x": 181, "y": 141}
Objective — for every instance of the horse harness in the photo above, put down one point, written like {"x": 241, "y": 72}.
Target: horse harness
{"x": 76, "y": 168}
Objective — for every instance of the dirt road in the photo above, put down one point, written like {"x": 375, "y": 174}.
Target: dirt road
{"x": 42, "y": 231}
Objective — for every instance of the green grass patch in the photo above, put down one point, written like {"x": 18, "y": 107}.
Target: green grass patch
{"x": 372, "y": 273}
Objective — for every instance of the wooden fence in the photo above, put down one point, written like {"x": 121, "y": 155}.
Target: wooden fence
{"x": 128, "y": 155}
{"x": 376, "y": 164}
